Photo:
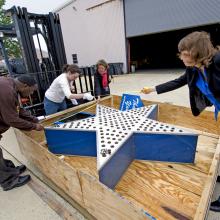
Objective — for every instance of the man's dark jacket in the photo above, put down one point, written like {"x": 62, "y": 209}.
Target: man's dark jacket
{"x": 198, "y": 101}
{"x": 11, "y": 115}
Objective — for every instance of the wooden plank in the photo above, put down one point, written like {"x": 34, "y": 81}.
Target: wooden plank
{"x": 205, "y": 122}
{"x": 64, "y": 176}
{"x": 65, "y": 196}
{"x": 164, "y": 190}
{"x": 103, "y": 203}
{"x": 177, "y": 174}
{"x": 209, "y": 186}
{"x": 153, "y": 194}
{"x": 85, "y": 164}
{"x": 205, "y": 152}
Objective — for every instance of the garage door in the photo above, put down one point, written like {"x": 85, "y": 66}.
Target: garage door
{"x": 152, "y": 16}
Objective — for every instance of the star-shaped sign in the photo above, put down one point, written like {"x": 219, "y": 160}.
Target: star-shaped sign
{"x": 118, "y": 137}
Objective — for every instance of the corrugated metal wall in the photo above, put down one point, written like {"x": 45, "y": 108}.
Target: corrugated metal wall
{"x": 152, "y": 16}
{"x": 93, "y": 30}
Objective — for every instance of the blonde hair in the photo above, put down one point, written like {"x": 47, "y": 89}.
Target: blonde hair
{"x": 200, "y": 47}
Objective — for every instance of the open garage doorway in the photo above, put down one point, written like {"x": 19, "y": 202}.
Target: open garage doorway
{"x": 159, "y": 51}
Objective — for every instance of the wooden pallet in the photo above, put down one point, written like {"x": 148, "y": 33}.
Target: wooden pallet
{"x": 148, "y": 190}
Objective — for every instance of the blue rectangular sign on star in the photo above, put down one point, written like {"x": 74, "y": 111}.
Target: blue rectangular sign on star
{"x": 130, "y": 102}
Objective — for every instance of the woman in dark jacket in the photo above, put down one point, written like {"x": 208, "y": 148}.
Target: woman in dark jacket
{"x": 101, "y": 80}
{"x": 202, "y": 75}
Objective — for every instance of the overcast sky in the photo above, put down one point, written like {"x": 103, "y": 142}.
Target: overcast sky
{"x": 35, "y": 6}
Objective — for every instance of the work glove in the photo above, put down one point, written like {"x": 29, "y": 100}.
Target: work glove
{"x": 88, "y": 96}
{"x": 74, "y": 102}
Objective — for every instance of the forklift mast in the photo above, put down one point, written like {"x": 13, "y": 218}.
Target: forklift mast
{"x": 44, "y": 68}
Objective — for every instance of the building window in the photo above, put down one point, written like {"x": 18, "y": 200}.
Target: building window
{"x": 75, "y": 60}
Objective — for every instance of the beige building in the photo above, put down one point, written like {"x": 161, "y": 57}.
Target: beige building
{"x": 143, "y": 33}
{"x": 93, "y": 30}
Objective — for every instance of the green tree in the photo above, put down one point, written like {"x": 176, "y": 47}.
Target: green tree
{"x": 11, "y": 44}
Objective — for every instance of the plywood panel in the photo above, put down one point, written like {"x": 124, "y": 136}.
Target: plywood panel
{"x": 155, "y": 194}
{"x": 205, "y": 152}
{"x": 86, "y": 164}
{"x": 165, "y": 190}
{"x": 63, "y": 175}
{"x": 208, "y": 189}
{"x": 103, "y": 203}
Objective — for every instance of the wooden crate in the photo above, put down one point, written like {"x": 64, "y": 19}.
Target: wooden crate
{"x": 148, "y": 190}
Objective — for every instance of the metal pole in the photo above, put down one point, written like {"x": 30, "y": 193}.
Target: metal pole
{"x": 84, "y": 72}
{"x": 80, "y": 83}
{"x": 5, "y": 55}
{"x": 90, "y": 80}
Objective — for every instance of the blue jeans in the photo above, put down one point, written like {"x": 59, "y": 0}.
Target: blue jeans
{"x": 53, "y": 107}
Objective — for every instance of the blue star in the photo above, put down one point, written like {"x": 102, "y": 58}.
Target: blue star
{"x": 118, "y": 137}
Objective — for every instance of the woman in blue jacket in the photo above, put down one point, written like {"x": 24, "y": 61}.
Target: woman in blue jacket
{"x": 202, "y": 76}
{"x": 202, "y": 73}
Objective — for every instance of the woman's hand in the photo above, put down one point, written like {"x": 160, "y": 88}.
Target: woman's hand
{"x": 88, "y": 96}
{"x": 147, "y": 90}
{"x": 98, "y": 99}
